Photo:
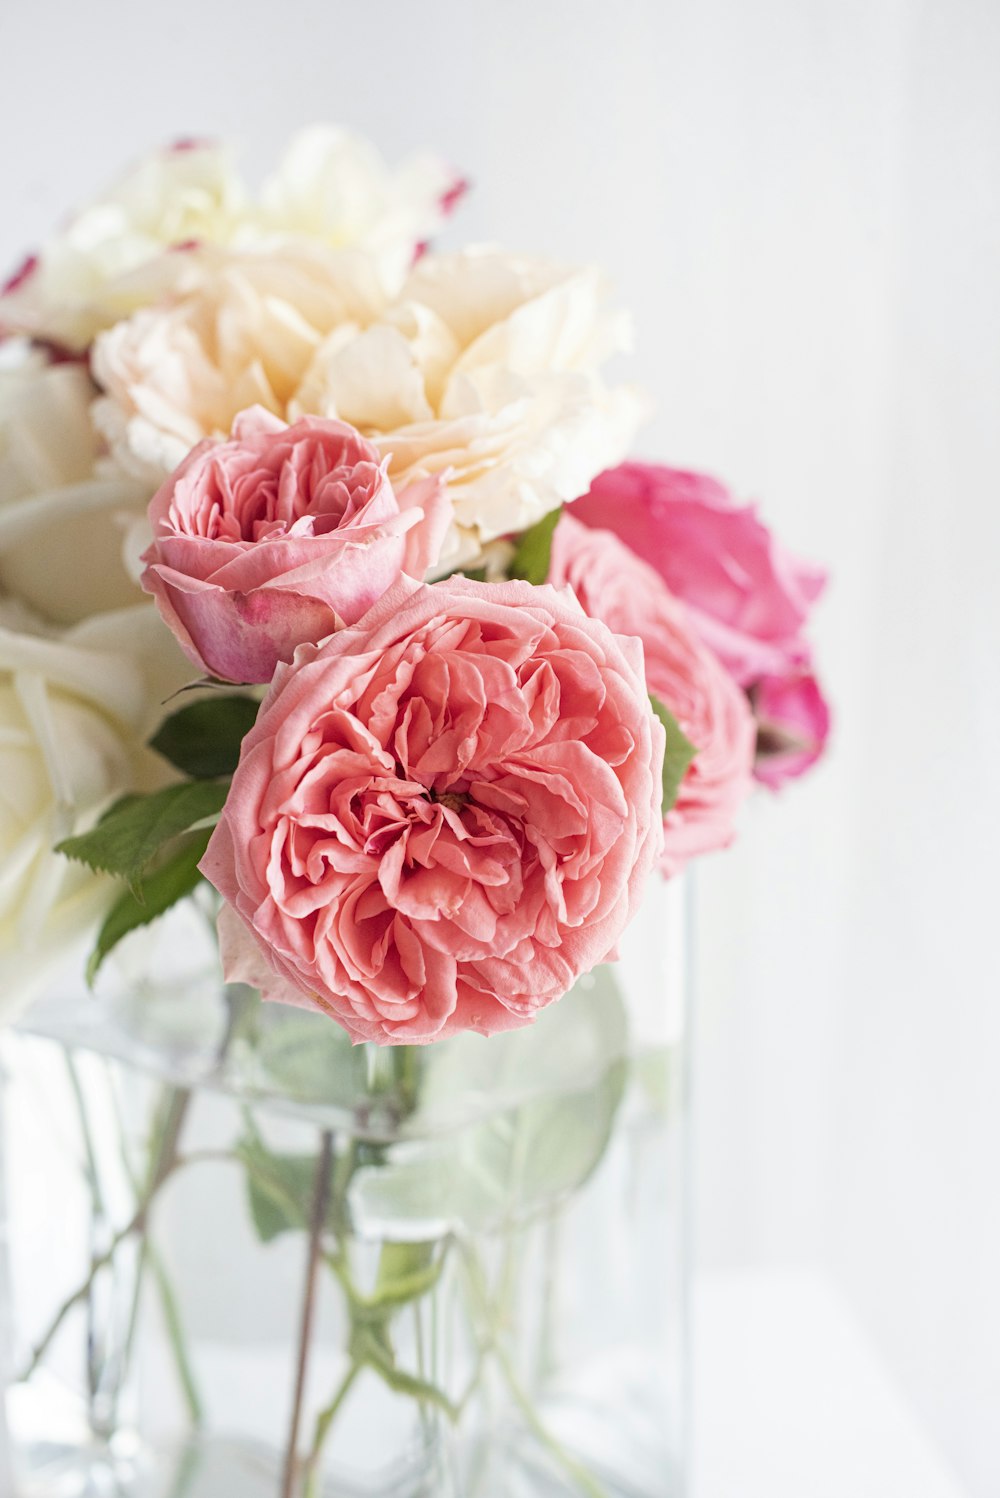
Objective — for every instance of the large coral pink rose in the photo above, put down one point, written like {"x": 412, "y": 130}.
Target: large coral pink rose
{"x": 279, "y": 536}
{"x": 747, "y": 597}
{"x": 443, "y": 815}
{"x": 612, "y": 584}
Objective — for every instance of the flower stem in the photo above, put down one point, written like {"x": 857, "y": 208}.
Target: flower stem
{"x": 167, "y": 1162}
{"x": 150, "y": 1259}
{"x": 321, "y": 1192}
{"x": 323, "y": 1424}
{"x": 574, "y": 1469}
{"x": 406, "y": 1061}
{"x": 175, "y": 1335}
{"x": 90, "y": 1166}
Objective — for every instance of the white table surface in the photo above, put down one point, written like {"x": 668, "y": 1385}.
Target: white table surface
{"x": 792, "y": 1401}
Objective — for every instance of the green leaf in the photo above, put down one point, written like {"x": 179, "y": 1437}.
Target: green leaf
{"x": 568, "y": 1046}
{"x": 117, "y": 806}
{"x": 369, "y": 1346}
{"x": 204, "y": 738}
{"x": 496, "y": 1172}
{"x": 281, "y": 1189}
{"x": 474, "y": 574}
{"x": 174, "y": 879}
{"x": 135, "y": 830}
{"x": 533, "y": 549}
{"x": 305, "y": 1059}
{"x": 677, "y": 756}
{"x": 406, "y": 1271}
{"x": 549, "y": 1122}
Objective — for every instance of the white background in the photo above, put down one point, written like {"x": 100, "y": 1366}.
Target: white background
{"x": 801, "y": 201}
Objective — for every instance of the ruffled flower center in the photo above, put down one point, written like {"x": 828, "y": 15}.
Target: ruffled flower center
{"x": 306, "y": 493}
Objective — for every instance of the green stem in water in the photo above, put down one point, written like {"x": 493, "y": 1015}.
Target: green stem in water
{"x": 405, "y": 1275}
{"x": 323, "y": 1424}
{"x": 150, "y": 1258}
{"x": 418, "y": 1336}
{"x": 584, "y": 1481}
{"x": 574, "y": 1469}
{"x": 167, "y": 1162}
{"x": 176, "y": 1337}
{"x": 102, "y": 1364}
{"x": 321, "y": 1192}
{"x": 90, "y": 1161}
{"x": 406, "y": 1061}
{"x": 187, "y": 1470}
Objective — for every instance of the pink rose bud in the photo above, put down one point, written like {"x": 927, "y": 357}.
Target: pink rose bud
{"x": 278, "y": 537}
{"x": 443, "y": 815}
{"x": 612, "y": 584}
{"x": 793, "y": 721}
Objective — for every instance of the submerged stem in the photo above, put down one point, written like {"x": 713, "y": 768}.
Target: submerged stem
{"x": 574, "y": 1469}
{"x": 90, "y": 1166}
{"x": 149, "y": 1257}
{"x": 323, "y": 1423}
{"x": 321, "y": 1193}
{"x": 176, "y": 1338}
{"x": 167, "y": 1162}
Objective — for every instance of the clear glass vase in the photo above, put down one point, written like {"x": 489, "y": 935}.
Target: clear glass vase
{"x": 248, "y": 1260}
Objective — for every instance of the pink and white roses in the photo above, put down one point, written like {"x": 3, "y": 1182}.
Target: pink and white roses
{"x": 280, "y": 536}
{"x": 614, "y": 585}
{"x": 443, "y": 815}
{"x": 291, "y": 416}
{"x": 485, "y": 367}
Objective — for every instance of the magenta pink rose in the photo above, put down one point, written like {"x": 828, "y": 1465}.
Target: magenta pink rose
{"x": 613, "y": 584}
{"x": 279, "y": 536}
{"x": 746, "y": 596}
{"x": 443, "y": 815}
{"x": 793, "y": 721}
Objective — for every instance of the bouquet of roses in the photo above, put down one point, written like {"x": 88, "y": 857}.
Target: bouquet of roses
{"x": 458, "y": 683}
{"x": 328, "y": 601}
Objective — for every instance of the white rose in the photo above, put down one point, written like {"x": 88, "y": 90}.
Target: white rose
{"x": 114, "y": 257}
{"x": 61, "y": 521}
{"x": 334, "y": 187}
{"x": 175, "y": 373}
{"x": 486, "y": 366}
{"x": 83, "y": 277}
{"x": 75, "y": 712}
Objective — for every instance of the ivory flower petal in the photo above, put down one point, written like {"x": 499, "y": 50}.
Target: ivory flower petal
{"x": 486, "y": 369}
{"x": 117, "y": 255}
{"x": 177, "y": 373}
{"x": 81, "y": 281}
{"x": 61, "y": 519}
{"x": 334, "y": 187}
{"x": 75, "y": 711}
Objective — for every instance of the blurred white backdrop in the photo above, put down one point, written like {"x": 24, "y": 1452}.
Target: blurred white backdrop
{"x": 800, "y": 199}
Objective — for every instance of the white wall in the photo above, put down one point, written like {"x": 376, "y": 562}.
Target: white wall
{"x": 801, "y": 201}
